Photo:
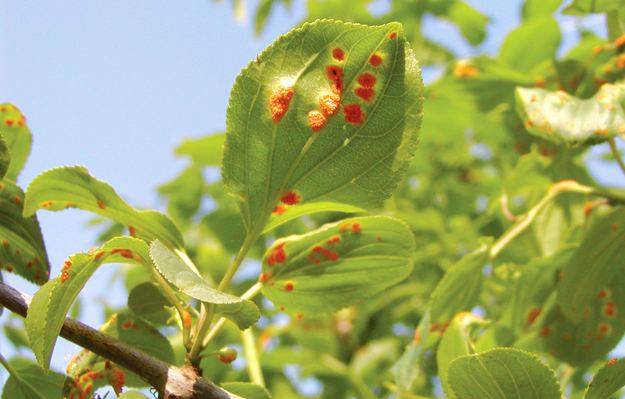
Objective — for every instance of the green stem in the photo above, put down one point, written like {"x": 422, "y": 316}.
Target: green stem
{"x": 526, "y": 220}
{"x": 206, "y": 311}
{"x": 616, "y": 154}
{"x": 252, "y": 358}
{"x": 4, "y": 362}
{"x": 249, "y": 294}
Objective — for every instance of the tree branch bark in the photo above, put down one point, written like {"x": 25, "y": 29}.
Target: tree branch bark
{"x": 173, "y": 382}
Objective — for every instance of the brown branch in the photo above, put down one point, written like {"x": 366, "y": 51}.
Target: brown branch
{"x": 173, "y": 382}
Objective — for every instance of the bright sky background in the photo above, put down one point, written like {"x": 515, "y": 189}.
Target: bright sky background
{"x": 116, "y": 85}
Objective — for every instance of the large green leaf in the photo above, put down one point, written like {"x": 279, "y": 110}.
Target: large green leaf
{"x": 243, "y": 312}
{"x": 28, "y": 381}
{"x": 17, "y": 137}
{"x": 502, "y": 374}
{"x": 459, "y": 289}
{"x": 338, "y": 264}
{"x": 22, "y": 250}
{"x": 329, "y": 112}
{"x": 607, "y": 381}
{"x": 74, "y": 187}
{"x": 520, "y": 51}
{"x": 583, "y": 7}
{"x": 5, "y": 158}
{"x": 599, "y": 258}
{"x": 565, "y": 119}
{"x": 51, "y": 303}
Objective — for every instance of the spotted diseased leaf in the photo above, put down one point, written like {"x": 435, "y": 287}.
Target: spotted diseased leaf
{"x": 329, "y": 112}
{"x": 502, "y": 373}
{"x": 607, "y": 381}
{"x": 22, "y": 250}
{"x": 583, "y": 7}
{"x": 51, "y": 303}
{"x": 564, "y": 119}
{"x": 337, "y": 265}
{"x": 87, "y": 371}
{"x": 599, "y": 258}
{"x": 598, "y": 331}
{"x": 17, "y": 137}
{"x": 74, "y": 187}
{"x": 243, "y": 312}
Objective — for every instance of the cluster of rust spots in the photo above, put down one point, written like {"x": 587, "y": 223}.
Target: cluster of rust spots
{"x": 277, "y": 255}
{"x": 81, "y": 386}
{"x": 47, "y": 204}
{"x": 65, "y": 271}
{"x": 18, "y": 121}
{"x": 291, "y": 198}
{"x": 612, "y": 362}
{"x": 365, "y": 90}
{"x": 324, "y": 253}
{"x": 279, "y": 101}
{"x": 125, "y": 253}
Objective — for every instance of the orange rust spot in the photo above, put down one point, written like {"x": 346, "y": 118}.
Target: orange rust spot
{"x": 532, "y": 315}
{"x": 67, "y": 264}
{"x": 117, "y": 380}
{"x": 290, "y": 198}
{"x": 612, "y": 362}
{"x": 417, "y": 336}
{"x": 289, "y": 286}
{"x": 317, "y": 248}
{"x": 464, "y": 69}
{"x": 335, "y": 74}
{"x": 282, "y": 308}
{"x": 392, "y": 35}
{"x": 277, "y": 255}
{"x": 21, "y": 122}
{"x": 344, "y": 227}
{"x": 9, "y": 269}
{"x": 299, "y": 316}
{"x": 367, "y": 80}
{"x": 330, "y": 255}
{"x": 620, "y": 41}
{"x": 9, "y": 122}
{"x": 604, "y": 328}
{"x": 101, "y": 204}
{"x": 29, "y": 264}
{"x": 17, "y": 200}
{"x": 47, "y": 204}
{"x": 99, "y": 254}
{"x": 597, "y": 49}
{"x": 603, "y": 294}
{"x": 540, "y": 82}
{"x": 132, "y": 231}
{"x": 279, "y": 101}
{"x": 609, "y": 310}
{"x": 356, "y": 228}
{"x": 264, "y": 277}
{"x": 316, "y": 120}
{"x": 375, "y": 60}
{"x": 279, "y": 210}
{"x": 5, "y": 244}
{"x": 64, "y": 276}
{"x": 329, "y": 103}
{"x": 545, "y": 331}
{"x": 129, "y": 324}
{"x": 378, "y": 238}
{"x": 187, "y": 321}
{"x": 334, "y": 239}
{"x": 338, "y": 54}
{"x": 354, "y": 114}
{"x": 588, "y": 208}
{"x": 366, "y": 93}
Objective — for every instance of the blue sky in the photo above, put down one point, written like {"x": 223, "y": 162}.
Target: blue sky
{"x": 115, "y": 85}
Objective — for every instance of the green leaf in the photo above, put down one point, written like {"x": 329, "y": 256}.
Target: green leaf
{"x": 51, "y": 303}
{"x": 471, "y": 22}
{"x": 456, "y": 341}
{"x": 564, "y": 119}
{"x": 520, "y": 51}
{"x": 17, "y": 137}
{"x": 599, "y": 258}
{"x": 287, "y": 214}
{"x": 28, "y": 381}
{"x": 148, "y": 302}
{"x": 539, "y": 8}
{"x": 74, "y": 187}
{"x": 5, "y": 158}
{"x": 338, "y": 264}
{"x": 359, "y": 149}
{"x": 23, "y": 250}
{"x": 246, "y": 390}
{"x": 243, "y": 312}
{"x": 607, "y": 381}
{"x": 203, "y": 151}
{"x": 502, "y": 373}
{"x": 459, "y": 289}
{"x": 583, "y": 7}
